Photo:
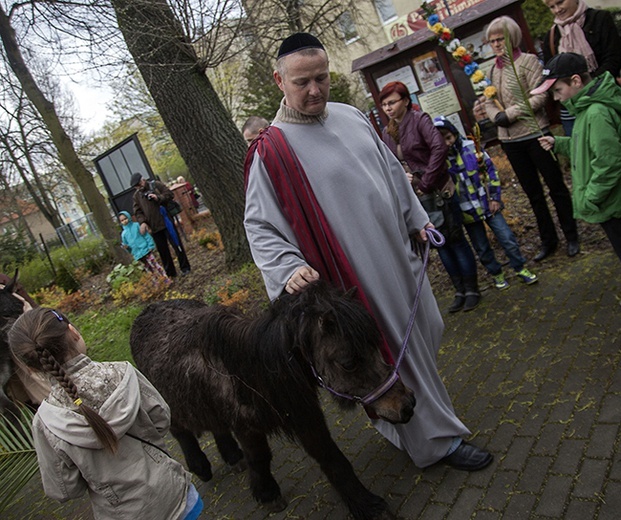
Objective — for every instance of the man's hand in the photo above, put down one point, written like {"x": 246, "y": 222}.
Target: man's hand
{"x": 502, "y": 119}
{"x": 144, "y": 228}
{"x": 153, "y": 196}
{"x": 422, "y": 235}
{"x": 300, "y": 279}
{"x": 494, "y": 207}
{"x": 547, "y": 142}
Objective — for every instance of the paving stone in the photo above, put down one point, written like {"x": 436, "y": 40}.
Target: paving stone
{"x": 610, "y": 502}
{"x": 590, "y": 480}
{"x": 518, "y": 453}
{"x": 570, "y": 455}
{"x": 534, "y": 474}
{"x": 581, "y": 510}
{"x": 520, "y": 506}
{"x": 602, "y": 442}
{"x": 554, "y": 496}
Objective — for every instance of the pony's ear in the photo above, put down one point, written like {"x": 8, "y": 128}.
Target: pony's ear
{"x": 351, "y": 293}
{"x": 10, "y": 287}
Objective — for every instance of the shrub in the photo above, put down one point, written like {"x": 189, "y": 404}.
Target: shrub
{"x": 122, "y": 274}
{"x": 212, "y": 241}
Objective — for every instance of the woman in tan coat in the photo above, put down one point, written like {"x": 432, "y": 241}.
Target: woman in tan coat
{"x": 518, "y": 134}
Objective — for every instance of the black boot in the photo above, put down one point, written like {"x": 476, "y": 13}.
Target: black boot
{"x": 473, "y": 296}
{"x": 460, "y": 297}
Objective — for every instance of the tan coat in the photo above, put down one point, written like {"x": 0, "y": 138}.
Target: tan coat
{"x": 529, "y": 70}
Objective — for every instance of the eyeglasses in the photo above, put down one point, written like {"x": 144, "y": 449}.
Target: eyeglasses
{"x": 390, "y": 104}
{"x": 496, "y": 40}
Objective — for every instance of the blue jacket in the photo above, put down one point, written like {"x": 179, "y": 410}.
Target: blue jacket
{"x": 138, "y": 245}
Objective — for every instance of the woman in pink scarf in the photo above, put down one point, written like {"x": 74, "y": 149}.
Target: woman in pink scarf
{"x": 586, "y": 31}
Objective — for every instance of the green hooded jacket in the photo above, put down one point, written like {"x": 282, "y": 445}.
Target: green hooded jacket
{"x": 595, "y": 150}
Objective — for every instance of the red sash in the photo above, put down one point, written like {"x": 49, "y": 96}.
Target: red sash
{"x": 315, "y": 238}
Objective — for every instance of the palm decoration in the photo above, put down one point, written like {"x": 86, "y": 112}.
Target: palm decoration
{"x": 18, "y": 460}
{"x": 520, "y": 92}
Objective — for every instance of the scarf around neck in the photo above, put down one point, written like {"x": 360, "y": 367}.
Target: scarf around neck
{"x": 502, "y": 61}
{"x": 573, "y": 38}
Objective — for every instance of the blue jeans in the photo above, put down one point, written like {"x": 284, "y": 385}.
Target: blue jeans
{"x": 506, "y": 238}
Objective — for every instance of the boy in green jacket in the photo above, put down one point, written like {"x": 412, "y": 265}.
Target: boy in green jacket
{"x": 595, "y": 144}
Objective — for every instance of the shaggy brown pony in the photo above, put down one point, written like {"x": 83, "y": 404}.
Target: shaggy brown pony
{"x": 224, "y": 372}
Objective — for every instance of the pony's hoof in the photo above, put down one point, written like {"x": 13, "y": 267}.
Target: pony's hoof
{"x": 276, "y": 506}
{"x": 239, "y": 467}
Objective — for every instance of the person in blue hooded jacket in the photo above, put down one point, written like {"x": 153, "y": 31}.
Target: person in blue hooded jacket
{"x": 140, "y": 245}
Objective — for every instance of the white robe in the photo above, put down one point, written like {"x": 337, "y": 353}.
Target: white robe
{"x": 372, "y": 210}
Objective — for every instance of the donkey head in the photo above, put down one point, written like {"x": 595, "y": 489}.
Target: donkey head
{"x": 342, "y": 342}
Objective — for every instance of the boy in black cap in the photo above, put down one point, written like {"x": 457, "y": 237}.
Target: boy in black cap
{"x": 595, "y": 145}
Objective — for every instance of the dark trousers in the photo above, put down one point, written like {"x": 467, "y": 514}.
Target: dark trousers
{"x": 612, "y": 228}
{"x": 161, "y": 239}
{"x": 456, "y": 254}
{"x": 528, "y": 159}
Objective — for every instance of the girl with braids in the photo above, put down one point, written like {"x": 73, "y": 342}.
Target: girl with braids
{"x": 101, "y": 427}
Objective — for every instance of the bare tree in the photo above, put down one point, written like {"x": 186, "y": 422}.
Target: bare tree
{"x": 61, "y": 139}
{"x": 209, "y": 142}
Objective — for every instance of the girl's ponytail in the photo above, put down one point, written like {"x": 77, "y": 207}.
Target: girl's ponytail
{"x": 40, "y": 338}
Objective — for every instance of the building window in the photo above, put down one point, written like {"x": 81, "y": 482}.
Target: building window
{"x": 348, "y": 27}
{"x": 385, "y": 10}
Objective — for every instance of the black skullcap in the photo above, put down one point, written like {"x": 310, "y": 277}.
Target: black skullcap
{"x": 136, "y": 178}
{"x": 298, "y": 41}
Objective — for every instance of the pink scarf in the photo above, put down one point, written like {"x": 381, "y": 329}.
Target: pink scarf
{"x": 503, "y": 60}
{"x": 573, "y": 38}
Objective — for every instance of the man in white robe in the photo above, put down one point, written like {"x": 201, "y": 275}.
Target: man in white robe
{"x": 364, "y": 193}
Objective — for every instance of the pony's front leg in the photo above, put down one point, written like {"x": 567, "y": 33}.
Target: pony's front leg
{"x": 196, "y": 460}
{"x": 258, "y": 455}
{"x": 318, "y": 443}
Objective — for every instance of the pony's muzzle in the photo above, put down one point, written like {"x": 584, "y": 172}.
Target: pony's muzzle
{"x": 396, "y": 406}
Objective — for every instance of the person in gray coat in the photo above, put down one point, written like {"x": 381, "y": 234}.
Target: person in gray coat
{"x": 101, "y": 428}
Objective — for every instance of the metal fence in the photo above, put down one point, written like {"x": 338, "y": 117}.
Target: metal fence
{"x": 70, "y": 234}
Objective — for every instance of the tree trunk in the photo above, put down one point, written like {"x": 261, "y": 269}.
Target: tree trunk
{"x": 200, "y": 126}
{"x": 63, "y": 143}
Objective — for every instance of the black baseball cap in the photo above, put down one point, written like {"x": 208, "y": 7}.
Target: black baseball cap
{"x": 563, "y": 65}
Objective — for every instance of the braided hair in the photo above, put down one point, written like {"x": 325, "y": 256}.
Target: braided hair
{"x": 41, "y": 339}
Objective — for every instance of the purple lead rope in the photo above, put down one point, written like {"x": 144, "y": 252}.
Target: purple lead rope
{"x": 434, "y": 237}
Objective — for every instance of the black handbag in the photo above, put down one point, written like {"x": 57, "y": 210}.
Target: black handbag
{"x": 173, "y": 208}
{"x": 434, "y": 205}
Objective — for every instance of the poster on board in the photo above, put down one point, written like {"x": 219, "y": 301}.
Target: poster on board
{"x": 477, "y": 46}
{"x": 429, "y": 72}
{"x": 440, "y": 102}
{"x": 404, "y": 75}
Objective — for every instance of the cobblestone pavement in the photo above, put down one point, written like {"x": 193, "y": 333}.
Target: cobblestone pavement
{"x": 534, "y": 373}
